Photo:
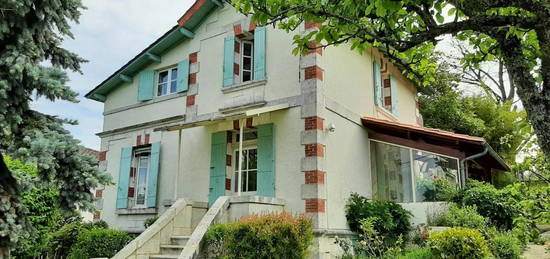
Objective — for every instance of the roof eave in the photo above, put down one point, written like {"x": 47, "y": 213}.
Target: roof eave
{"x": 196, "y": 14}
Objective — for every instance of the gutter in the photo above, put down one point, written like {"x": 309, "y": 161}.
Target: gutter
{"x": 486, "y": 150}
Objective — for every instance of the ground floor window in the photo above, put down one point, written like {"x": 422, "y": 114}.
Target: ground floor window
{"x": 138, "y": 178}
{"x": 249, "y": 170}
{"x": 404, "y": 174}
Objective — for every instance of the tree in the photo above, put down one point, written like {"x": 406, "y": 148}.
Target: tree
{"x": 443, "y": 106}
{"x": 31, "y": 33}
{"x": 483, "y": 75}
{"x": 517, "y": 31}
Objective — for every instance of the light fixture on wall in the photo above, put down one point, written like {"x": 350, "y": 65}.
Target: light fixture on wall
{"x": 331, "y": 127}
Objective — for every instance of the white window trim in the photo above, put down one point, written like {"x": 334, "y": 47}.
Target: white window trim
{"x": 413, "y": 186}
{"x": 144, "y": 205}
{"x": 168, "y": 83}
{"x": 247, "y": 145}
{"x": 241, "y": 66}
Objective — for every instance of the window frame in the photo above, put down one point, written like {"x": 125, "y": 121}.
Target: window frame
{"x": 136, "y": 159}
{"x": 236, "y": 169}
{"x": 242, "y": 43}
{"x": 168, "y": 83}
{"x": 411, "y": 164}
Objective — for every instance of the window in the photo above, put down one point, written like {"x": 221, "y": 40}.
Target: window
{"x": 387, "y": 94}
{"x": 404, "y": 174}
{"x": 247, "y": 50}
{"x": 138, "y": 179}
{"x": 249, "y": 170}
{"x": 167, "y": 82}
{"x": 391, "y": 172}
{"x": 428, "y": 168}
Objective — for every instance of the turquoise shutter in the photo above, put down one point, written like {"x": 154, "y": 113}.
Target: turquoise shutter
{"x": 228, "y": 60}
{"x": 123, "y": 178}
{"x": 183, "y": 76}
{"x": 259, "y": 53}
{"x": 377, "y": 83}
{"x": 152, "y": 179}
{"x": 146, "y": 85}
{"x": 393, "y": 89}
{"x": 266, "y": 161}
{"x": 217, "y": 166}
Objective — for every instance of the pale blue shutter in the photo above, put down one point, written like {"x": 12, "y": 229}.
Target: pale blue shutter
{"x": 266, "y": 160}
{"x": 152, "y": 178}
{"x": 228, "y": 60}
{"x": 377, "y": 83}
{"x": 217, "y": 166}
{"x": 183, "y": 76}
{"x": 259, "y": 53}
{"x": 123, "y": 178}
{"x": 393, "y": 89}
{"x": 146, "y": 85}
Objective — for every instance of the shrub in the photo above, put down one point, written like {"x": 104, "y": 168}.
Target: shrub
{"x": 459, "y": 243}
{"x": 262, "y": 236}
{"x": 99, "y": 243}
{"x": 505, "y": 245}
{"x": 392, "y": 220}
{"x": 460, "y": 217}
{"x": 61, "y": 241}
{"x": 417, "y": 253}
{"x": 491, "y": 203}
{"x": 148, "y": 222}
{"x": 440, "y": 190}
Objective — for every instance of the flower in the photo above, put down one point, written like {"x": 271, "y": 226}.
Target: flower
{"x": 424, "y": 236}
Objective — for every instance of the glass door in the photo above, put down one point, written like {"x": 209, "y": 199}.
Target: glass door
{"x": 249, "y": 171}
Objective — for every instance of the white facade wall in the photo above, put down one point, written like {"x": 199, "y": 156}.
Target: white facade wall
{"x": 347, "y": 91}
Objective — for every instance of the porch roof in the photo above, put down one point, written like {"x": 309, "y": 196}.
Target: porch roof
{"x": 435, "y": 140}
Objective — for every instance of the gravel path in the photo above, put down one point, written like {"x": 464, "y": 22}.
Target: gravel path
{"x": 536, "y": 252}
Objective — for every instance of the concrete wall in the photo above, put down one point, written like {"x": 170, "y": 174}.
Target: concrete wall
{"x": 348, "y": 167}
{"x": 349, "y": 81}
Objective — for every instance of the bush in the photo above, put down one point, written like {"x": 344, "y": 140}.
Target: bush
{"x": 505, "y": 245}
{"x": 148, "y": 222}
{"x": 262, "y": 236}
{"x": 99, "y": 243}
{"x": 491, "y": 203}
{"x": 418, "y": 253}
{"x": 459, "y": 243}
{"x": 440, "y": 190}
{"x": 392, "y": 220}
{"x": 459, "y": 217}
{"x": 61, "y": 241}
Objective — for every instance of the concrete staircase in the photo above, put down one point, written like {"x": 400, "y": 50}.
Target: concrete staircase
{"x": 167, "y": 237}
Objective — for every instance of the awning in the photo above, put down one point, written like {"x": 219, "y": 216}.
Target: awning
{"x": 438, "y": 141}
{"x": 232, "y": 116}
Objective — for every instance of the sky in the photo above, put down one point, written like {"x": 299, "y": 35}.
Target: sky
{"x": 109, "y": 34}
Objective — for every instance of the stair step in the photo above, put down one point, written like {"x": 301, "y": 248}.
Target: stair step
{"x": 171, "y": 249}
{"x": 179, "y": 240}
{"x": 163, "y": 256}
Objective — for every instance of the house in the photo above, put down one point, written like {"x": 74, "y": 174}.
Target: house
{"x": 310, "y": 130}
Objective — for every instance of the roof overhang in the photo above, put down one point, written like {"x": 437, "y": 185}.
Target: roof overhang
{"x": 232, "y": 116}
{"x": 439, "y": 141}
{"x": 152, "y": 54}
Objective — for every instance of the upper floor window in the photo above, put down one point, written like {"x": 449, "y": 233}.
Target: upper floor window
{"x": 167, "y": 82}
{"x": 385, "y": 87}
{"x": 247, "y": 60}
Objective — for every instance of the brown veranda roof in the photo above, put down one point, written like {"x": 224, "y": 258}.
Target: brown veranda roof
{"x": 468, "y": 145}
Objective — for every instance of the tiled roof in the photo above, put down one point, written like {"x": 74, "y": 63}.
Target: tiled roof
{"x": 368, "y": 121}
{"x": 90, "y": 152}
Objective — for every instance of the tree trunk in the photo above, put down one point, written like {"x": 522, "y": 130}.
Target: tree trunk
{"x": 536, "y": 100}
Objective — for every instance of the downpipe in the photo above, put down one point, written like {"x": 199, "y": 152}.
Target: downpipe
{"x": 463, "y": 163}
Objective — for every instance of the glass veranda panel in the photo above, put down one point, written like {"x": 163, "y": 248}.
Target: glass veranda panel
{"x": 391, "y": 172}
{"x": 431, "y": 170}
